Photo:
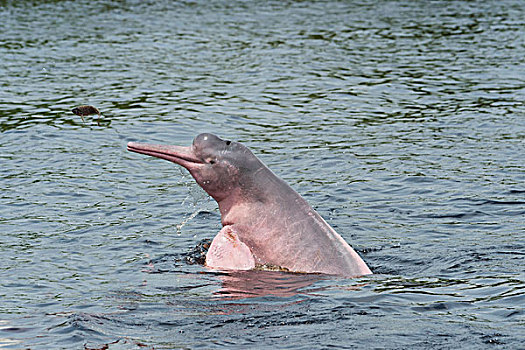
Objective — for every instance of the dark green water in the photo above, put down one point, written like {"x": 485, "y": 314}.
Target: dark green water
{"x": 401, "y": 122}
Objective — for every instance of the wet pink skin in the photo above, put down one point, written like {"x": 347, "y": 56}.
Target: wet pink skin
{"x": 265, "y": 222}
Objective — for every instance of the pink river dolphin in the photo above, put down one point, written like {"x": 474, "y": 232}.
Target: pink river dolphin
{"x": 266, "y": 224}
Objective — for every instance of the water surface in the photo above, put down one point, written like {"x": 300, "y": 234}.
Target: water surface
{"x": 401, "y": 122}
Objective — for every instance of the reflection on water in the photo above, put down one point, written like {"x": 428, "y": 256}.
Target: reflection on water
{"x": 252, "y": 284}
{"x": 401, "y": 122}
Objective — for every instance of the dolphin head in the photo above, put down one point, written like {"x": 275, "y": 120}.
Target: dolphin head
{"x": 221, "y": 167}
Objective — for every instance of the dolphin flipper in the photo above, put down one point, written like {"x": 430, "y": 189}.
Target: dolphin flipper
{"x": 228, "y": 252}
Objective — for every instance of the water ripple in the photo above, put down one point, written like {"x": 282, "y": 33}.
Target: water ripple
{"x": 400, "y": 122}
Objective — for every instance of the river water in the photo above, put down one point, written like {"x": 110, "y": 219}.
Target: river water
{"x": 401, "y": 122}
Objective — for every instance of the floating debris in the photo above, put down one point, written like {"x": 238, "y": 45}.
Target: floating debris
{"x": 84, "y": 111}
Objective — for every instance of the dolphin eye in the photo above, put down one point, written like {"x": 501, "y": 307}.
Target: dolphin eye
{"x": 211, "y": 161}
{"x": 228, "y": 142}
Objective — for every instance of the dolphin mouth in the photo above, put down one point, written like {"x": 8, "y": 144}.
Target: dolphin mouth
{"x": 177, "y": 154}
